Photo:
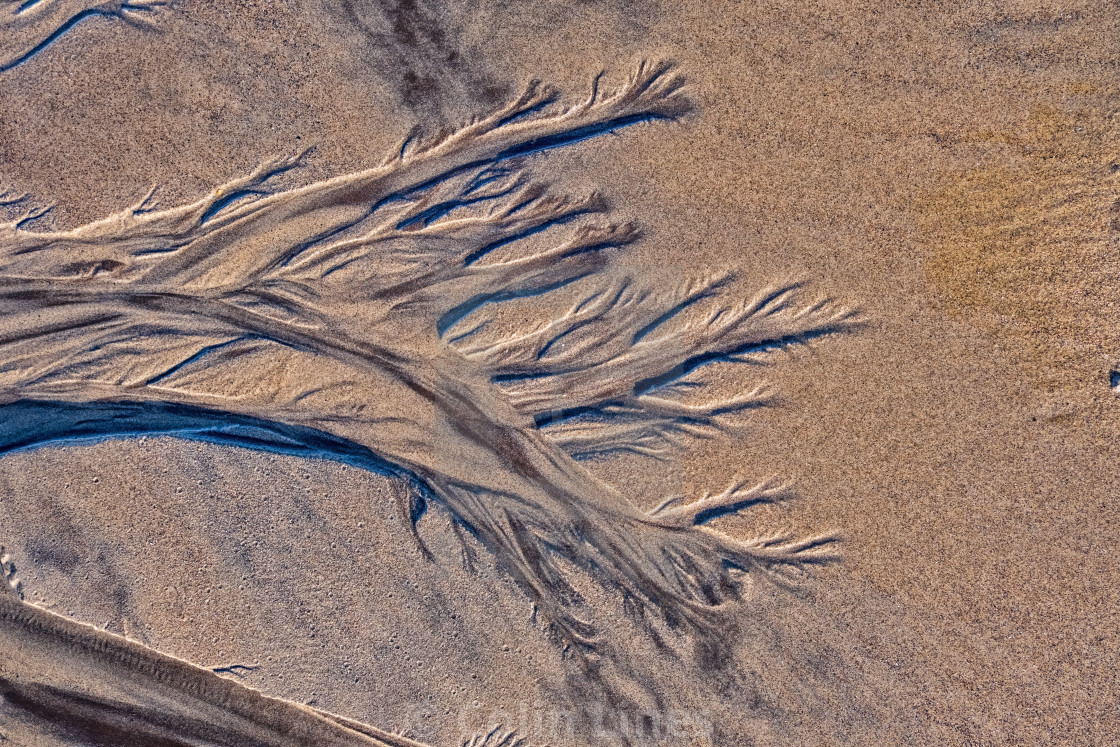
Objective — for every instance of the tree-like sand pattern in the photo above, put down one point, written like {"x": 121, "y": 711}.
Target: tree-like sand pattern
{"x": 349, "y": 319}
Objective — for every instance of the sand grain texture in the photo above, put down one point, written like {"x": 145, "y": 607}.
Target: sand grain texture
{"x": 947, "y": 171}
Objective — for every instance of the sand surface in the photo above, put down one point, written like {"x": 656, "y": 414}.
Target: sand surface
{"x": 949, "y": 173}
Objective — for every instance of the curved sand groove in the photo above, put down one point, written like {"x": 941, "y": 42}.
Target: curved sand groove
{"x": 348, "y": 318}
{"x": 101, "y": 689}
{"x": 27, "y": 27}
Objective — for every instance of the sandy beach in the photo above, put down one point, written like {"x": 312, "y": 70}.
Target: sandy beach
{"x": 947, "y": 178}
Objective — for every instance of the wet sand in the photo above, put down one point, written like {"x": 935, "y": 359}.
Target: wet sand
{"x": 949, "y": 173}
